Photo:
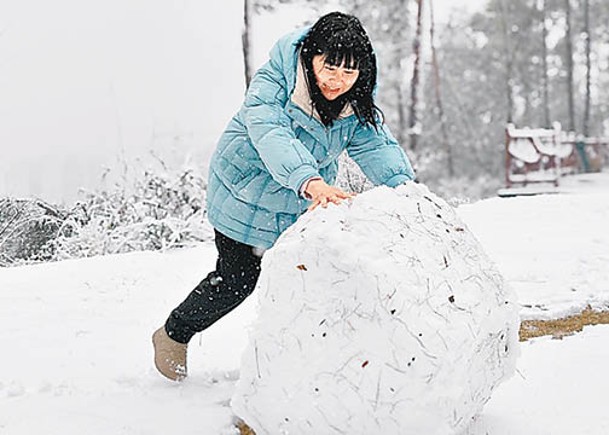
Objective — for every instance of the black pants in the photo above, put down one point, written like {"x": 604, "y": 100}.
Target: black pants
{"x": 234, "y": 279}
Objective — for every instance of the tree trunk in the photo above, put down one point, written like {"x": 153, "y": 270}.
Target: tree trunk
{"x": 436, "y": 75}
{"x": 570, "y": 67}
{"x": 544, "y": 58}
{"x": 246, "y": 43}
{"x": 400, "y": 86}
{"x": 509, "y": 75}
{"x": 402, "y": 122}
{"x": 588, "y": 67}
{"x": 414, "y": 84}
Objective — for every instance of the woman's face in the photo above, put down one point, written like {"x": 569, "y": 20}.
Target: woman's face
{"x": 333, "y": 81}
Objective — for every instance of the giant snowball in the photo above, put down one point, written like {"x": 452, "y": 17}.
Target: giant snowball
{"x": 381, "y": 316}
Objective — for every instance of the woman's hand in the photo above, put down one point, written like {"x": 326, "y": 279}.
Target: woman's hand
{"x": 322, "y": 194}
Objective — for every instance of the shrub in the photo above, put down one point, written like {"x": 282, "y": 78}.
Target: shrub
{"x": 160, "y": 210}
{"x": 163, "y": 211}
{"x": 27, "y": 226}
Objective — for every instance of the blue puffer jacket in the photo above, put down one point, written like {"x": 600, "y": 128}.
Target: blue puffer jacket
{"x": 271, "y": 147}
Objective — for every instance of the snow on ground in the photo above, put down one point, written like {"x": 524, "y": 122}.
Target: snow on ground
{"x": 560, "y": 389}
{"x": 553, "y": 249}
{"x": 76, "y": 354}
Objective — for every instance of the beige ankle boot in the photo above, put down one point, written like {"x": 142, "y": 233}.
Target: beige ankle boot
{"x": 169, "y": 355}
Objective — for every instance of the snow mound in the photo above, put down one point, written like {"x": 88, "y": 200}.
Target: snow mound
{"x": 382, "y": 316}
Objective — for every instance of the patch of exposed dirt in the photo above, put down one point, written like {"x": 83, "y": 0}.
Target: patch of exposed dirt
{"x": 559, "y": 328}
{"x": 244, "y": 429}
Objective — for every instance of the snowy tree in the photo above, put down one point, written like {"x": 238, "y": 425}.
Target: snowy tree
{"x": 507, "y": 62}
{"x": 500, "y": 70}
{"x": 569, "y": 65}
{"x": 246, "y": 43}
{"x": 413, "y": 119}
{"x": 588, "y": 39}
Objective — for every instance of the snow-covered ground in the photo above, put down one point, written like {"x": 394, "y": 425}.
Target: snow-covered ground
{"x": 76, "y": 354}
{"x": 553, "y": 249}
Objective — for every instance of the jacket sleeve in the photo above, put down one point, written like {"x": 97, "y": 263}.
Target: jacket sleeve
{"x": 380, "y": 156}
{"x": 270, "y": 129}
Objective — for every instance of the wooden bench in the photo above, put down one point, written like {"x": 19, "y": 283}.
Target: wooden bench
{"x": 538, "y": 155}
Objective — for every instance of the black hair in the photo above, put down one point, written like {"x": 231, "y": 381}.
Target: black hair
{"x": 342, "y": 39}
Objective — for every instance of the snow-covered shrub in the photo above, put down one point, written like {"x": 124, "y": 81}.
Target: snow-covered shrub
{"x": 456, "y": 189}
{"x": 350, "y": 177}
{"x": 26, "y": 228}
{"x": 156, "y": 211}
{"x": 162, "y": 211}
{"x": 383, "y": 316}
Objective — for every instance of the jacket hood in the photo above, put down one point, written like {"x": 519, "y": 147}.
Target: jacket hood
{"x": 285, "y": 52}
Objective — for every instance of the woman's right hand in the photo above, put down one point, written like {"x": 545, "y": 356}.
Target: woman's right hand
{"x": 322, "y": 194}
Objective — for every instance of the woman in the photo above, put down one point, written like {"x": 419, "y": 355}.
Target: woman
{"x": 278, "y": 156}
